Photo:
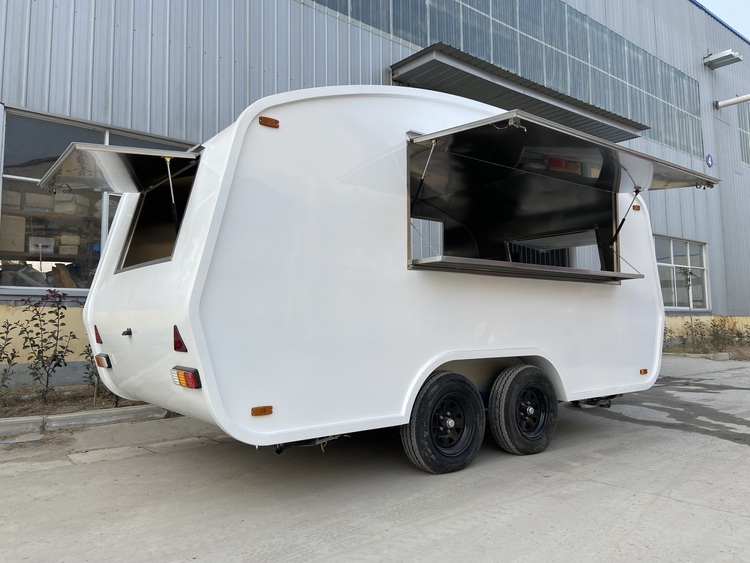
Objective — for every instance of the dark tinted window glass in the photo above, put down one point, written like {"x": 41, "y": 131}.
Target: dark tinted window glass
{"x": 338, "y": 5}
{"x": 127, "y": 141}
{"x": 481, "y": 5}
{"x": 505, "y": 47}
{"x": 33, "y": 145}
{"x": 155, "y": 230}
{"x": 530, "y": 18}
{"x": 505, "y": 11}
{"x": 476, "y": 34}
{"x": 410, "y": 21}
{"x": 445, "y": 22}
{"x": 663, "y": 250}
{"x": 554, "y": 24}
{"x": 376, "y": 13}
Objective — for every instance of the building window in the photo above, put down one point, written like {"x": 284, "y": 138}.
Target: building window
{"x": 52, "y": 240}
{"x": 554, "y": 45}
{"x": 682, "y": 273}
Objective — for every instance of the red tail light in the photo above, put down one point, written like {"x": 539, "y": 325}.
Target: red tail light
{"x": 186, "y": 377}
{"x": 96, "y": 336}
{"x": 179, "y": 344}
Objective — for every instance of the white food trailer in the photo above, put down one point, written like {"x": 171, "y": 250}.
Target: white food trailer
{"x": 350, "y": 258}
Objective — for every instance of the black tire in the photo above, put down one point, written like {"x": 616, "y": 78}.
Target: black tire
{"x": 446, "y": 428}
{"x": 523, "y": 410}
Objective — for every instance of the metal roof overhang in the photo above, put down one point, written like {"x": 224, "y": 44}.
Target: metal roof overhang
{"x": 447, "y": 69}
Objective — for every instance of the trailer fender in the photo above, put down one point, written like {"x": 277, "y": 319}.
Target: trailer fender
{"x": 530, "y": 356}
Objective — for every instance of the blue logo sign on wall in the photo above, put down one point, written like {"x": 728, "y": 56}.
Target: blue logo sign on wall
{"x": 709, "y": 160}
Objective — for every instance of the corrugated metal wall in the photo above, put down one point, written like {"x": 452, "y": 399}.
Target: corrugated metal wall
{"x": 177, "y": 68}
{"x": 682, "y": 34}
{"x": 186, "y": 68}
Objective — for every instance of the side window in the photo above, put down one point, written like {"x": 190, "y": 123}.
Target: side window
{"x": 514, "y": 197}
{"x": 53, "y": 239}
{"x": 682, "y": 273}
{"x": 46, "y": 240}
{"x": 156, "y": 227}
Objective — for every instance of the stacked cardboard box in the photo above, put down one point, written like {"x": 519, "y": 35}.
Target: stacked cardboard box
{"x": 12, "y": 233}
{"x": 71, "y": 204}
{"x": 11, "y": 200}
{"x": 42, "y": 245}
{"x": 70, "y": 239}
{"x": 38, "y": 202}
{"x": 69, "y": 244}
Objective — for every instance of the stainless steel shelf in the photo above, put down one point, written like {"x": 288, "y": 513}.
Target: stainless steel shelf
{"x": 513, "y": 269}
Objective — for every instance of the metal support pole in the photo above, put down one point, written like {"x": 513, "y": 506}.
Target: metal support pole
{"x": 732, "y": 101}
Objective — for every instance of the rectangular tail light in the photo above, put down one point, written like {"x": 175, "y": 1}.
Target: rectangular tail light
{"x": 186, "y": 377}
{"x": 102, "y": 360}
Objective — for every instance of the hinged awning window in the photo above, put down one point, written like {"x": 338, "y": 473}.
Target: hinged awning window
{"x": 511, "y": 188}
{"x": 113, "y": 168}
{"x": 556, "y": 140}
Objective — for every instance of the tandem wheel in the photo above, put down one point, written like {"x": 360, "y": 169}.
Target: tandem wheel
{"x": 447, "y": 423}
{"x": 522, "y": 410}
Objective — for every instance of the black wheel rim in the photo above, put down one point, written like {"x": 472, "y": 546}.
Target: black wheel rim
{"x": 531, "y": 412}
{"x": 449, "y": 429}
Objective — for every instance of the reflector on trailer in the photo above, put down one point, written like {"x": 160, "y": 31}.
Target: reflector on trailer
{"x": 96, "y": 336}
{"x": 186, "y": 377}
{"x": 268, "y": 121}
{"x": 179, "y": 344}
{"x": 102, "y": 360}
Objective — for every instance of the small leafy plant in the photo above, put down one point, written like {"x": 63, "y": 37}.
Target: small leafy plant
{"x": 670, "y": 336}
{"x": 46, "y": 339}
{"x": 8, "y": 355}
{"x": 90, "y": 373}
{"x": 694, "y": 335}
{"x": 719, "y": 334}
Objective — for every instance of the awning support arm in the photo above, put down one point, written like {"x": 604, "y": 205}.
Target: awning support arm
{"x": 619, "y": 227}
{"x": 171, "y": 193}
{"x": 421, "y": 180}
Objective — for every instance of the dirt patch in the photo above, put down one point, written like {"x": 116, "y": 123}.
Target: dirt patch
{"x": 740, "y": 352}
{"x": 27, "y": 401}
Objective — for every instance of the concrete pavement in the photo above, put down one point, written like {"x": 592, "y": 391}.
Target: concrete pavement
{"x": 662, "y": 475}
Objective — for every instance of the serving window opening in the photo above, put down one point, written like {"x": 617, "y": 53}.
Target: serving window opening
{"x": 164, "y": 186}
{"x": 160, "y": 180}
{"x": 512, "y": 196}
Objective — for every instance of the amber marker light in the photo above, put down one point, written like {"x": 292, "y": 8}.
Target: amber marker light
{"x": 268, "y": 121}
{"x": 102, "y": 360}
{"x": 644, "y": 372}
{"x": 261, "y": 411}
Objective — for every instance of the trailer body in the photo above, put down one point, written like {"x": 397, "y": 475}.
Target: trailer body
{"x": 283, "y": 264}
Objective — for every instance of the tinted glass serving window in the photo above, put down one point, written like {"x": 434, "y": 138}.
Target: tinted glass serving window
{"x": 161, "y": 210}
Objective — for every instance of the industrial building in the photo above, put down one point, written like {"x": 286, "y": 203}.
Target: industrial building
{"x": 171, "y": 73}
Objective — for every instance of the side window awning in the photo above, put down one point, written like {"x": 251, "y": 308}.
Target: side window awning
{"x": 513, "y": 187}
{"x": 522, "y": 141}
{"x": 114, "y": 168}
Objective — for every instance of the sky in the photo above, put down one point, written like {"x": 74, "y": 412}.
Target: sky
{"x": 735, "y": 13}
